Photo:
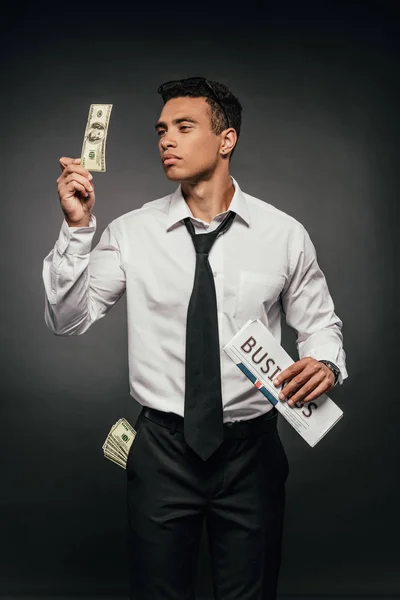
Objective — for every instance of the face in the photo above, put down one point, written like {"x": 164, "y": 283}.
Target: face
{"x": 95, "y": 135}
{"x": 184, "y": 129}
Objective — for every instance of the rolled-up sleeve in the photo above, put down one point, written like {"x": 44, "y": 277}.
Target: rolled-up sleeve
{"x": 81, "y": 285}
{"x": 308, "y": 306}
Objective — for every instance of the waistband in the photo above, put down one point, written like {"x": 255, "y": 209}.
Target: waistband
{"x": 232, "y": 429}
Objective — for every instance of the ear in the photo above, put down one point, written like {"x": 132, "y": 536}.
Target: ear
{"x": 228, "y": 141}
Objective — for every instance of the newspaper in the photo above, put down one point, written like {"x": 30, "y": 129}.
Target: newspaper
{"x": 312, "y": 420}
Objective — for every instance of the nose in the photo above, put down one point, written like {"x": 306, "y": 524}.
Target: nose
{"x": 167, "y": 142}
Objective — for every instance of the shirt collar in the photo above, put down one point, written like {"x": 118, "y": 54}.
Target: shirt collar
{"x": 179, "y": 210}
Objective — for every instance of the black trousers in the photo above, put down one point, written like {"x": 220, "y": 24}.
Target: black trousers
{"x": 239, "y": 490}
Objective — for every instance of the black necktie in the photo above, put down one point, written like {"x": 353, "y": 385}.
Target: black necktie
{"x": 203, "y": 419}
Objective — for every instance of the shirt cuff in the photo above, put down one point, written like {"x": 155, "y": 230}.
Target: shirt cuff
{"x": 76, "y": 240}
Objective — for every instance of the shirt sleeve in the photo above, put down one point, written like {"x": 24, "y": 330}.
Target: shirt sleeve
{"x": 81, "y": 285}
{"x": 308, "y": 305}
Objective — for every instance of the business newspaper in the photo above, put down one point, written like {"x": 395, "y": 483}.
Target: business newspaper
{"x": 261, "y": 358}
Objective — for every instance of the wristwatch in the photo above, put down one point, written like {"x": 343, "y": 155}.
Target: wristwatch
{"x": 333, "y": 368}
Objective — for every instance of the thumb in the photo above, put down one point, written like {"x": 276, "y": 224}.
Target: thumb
{"x": 66, "y": 160}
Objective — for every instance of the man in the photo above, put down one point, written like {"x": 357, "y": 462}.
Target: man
{"x": 196, "y": 265}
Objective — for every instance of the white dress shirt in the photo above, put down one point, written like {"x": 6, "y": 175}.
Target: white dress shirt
{"x": 265, "y": 264}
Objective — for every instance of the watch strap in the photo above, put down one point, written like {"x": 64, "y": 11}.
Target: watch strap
{"x": 335, "y": 370}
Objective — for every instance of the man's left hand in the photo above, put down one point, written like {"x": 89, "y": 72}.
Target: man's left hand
{"x": 306, "y": 380}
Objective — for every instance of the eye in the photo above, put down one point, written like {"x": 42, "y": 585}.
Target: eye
{"x": 185, "y": 127}
{"x": 160, "y": 131}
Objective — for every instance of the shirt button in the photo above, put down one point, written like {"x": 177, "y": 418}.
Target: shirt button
{"x": 215, "y": 273}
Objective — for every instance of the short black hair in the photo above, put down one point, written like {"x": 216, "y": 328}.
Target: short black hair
{"x": 197, "y": 87}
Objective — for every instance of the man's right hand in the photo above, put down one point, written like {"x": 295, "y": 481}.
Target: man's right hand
{"x": 76, "y": 192}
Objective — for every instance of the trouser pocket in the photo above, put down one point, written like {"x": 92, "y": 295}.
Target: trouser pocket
{"x": 138, "y": 427}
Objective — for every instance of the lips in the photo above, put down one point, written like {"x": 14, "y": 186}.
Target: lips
{"x": 169, "y": 159}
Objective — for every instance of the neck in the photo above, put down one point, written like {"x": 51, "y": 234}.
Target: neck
{"x": 207, "y": 198}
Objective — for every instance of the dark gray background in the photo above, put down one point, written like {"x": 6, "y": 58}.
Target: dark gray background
{"x": 317, "y": 82}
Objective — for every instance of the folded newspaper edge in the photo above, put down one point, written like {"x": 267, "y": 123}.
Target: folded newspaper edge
{"x": 312, "y": 420}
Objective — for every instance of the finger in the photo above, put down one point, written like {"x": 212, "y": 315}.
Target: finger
{"x": 283, "y": 378}
{"x": 299, "y": 381}
{"x": 75, "y": 186}
{"x": 284, "y": 375}
{"x": 295, "y": 383}
{"x": 80, "y": 179}
{"x": 294, "y": 369}
{"x": 305, "y": 390}
{"x": 67, "y": 160}
{"x": 317, "y": 392}
{"x": 290, "y": 372}
{"x": 72, "y": 168}
{"x": 64, "y": 161}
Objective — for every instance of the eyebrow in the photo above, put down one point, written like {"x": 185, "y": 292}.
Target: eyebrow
{"x": 175, "y": 122}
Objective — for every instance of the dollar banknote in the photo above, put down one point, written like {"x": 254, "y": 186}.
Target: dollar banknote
{"x": 118, "y": 442}
{"x": 93, "y": 156}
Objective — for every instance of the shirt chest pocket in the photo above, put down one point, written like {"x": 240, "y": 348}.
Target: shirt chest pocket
{"x": 256, "y": 293}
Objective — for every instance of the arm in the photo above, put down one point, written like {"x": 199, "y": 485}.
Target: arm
{"x": 308, "y": 306}
{"x": 81, "y": 285}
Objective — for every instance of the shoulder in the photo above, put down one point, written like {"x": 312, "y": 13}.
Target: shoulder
{"x": 261, "y": 210}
